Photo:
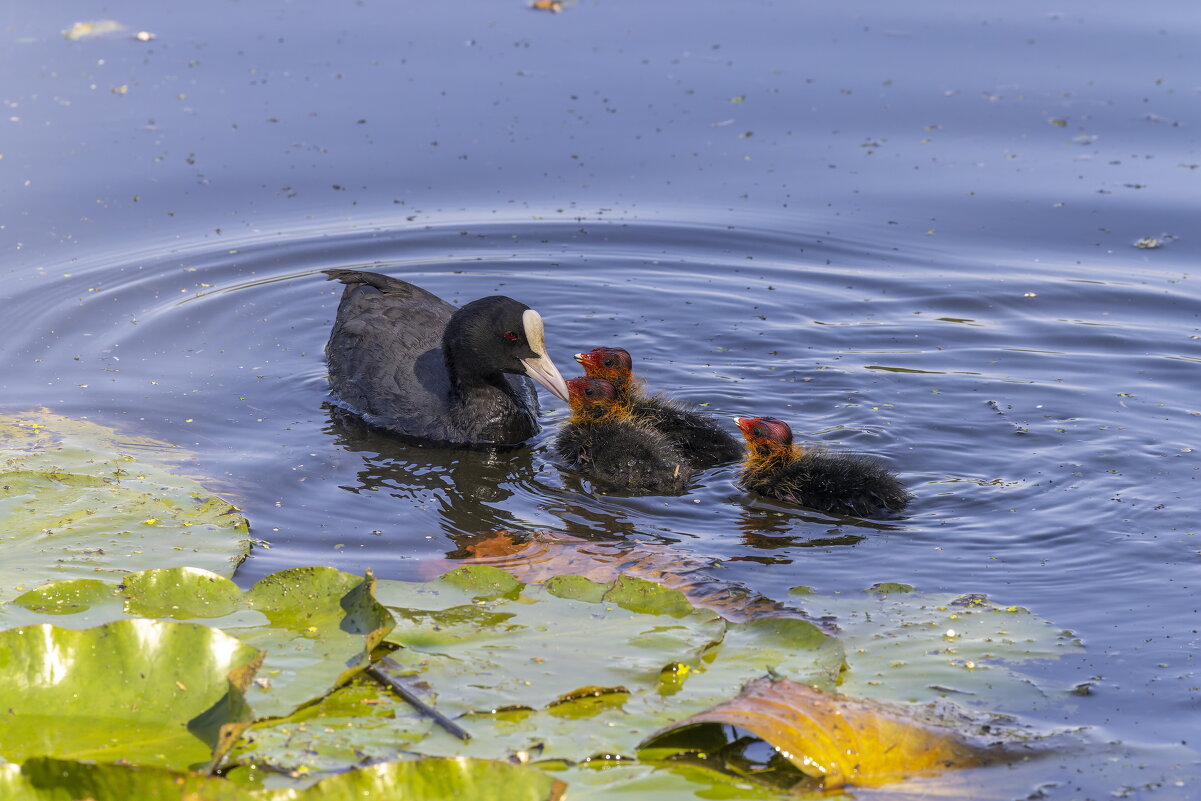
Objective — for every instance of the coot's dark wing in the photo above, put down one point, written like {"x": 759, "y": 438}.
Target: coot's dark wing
{"x": 385, "y": 354}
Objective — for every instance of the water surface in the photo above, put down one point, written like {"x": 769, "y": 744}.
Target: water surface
{"x": 908, "y": 231}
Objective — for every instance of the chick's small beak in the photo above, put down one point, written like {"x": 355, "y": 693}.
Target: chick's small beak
{"x": 744, "y": 424}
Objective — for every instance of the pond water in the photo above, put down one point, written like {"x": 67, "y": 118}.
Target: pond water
{"x": 909, "y": 230}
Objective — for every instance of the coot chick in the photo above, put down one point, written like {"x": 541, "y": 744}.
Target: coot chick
{"x": 698, "y": 436}
{"x": 407, "y": 361}
{"x": 840, "y": 483}
{"x": 602, "y": 441}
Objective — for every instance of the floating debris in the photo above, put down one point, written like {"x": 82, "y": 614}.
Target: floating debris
{"x": 1153, "y": 242}
{"x": 553, "y": 6}
{"x": 90, "y": 30}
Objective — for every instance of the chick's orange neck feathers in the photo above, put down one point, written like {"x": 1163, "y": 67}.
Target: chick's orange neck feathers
{"x": 765, "y": 454}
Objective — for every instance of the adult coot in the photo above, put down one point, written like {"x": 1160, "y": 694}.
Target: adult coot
{"x": 699, "y": 437}
{"x": 840, "y": 483}
{"x": 407, "y": 361}
{"x": 602, "y": 441}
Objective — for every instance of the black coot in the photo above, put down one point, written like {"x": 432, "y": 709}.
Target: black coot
{"x": 407, "y": 361}
{"x": 841, "y": 483}
{"x": 616, "y": 451}
{"x": 699, "y": 437}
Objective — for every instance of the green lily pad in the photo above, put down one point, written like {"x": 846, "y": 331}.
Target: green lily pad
{"x": 357, "y": 723}
{"x": 47, "y": 779}
{"x": 143, "y": 691}
{"x": 533, "y": 649}
{"x": 323, "y": 625}
{"x": 566, "y": 670}
{"x": 68, "y": 597}
{"x": 179, "y": 592}
{"x": 317, "y": 625}
{"x": 431, "y": 779}
{"x": 80, "y": 500}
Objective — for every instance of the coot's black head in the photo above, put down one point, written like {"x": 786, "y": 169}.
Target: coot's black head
{"x": 764, "y": 429}
{"x": 499, "y": 335}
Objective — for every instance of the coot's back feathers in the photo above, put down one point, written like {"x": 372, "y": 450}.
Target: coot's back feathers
{"x": 698, "y": 436}
{"x": 614, "y": 450}
{"x": 407, "y": 361}
{"x": 840, "y": 483}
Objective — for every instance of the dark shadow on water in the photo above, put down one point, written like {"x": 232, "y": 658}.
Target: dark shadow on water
{"x": 471, "y": 488}
{"x": 768, "y": 526}
{"x": 465, "y": 490}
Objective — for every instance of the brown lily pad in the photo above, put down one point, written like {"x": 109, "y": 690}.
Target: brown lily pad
{"x": 842, "y": 740}
{"x": 546, "y": 555}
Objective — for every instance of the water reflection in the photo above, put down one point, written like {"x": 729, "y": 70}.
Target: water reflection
{"x": 467, "y": 487}
{"x": 471, "y": 490}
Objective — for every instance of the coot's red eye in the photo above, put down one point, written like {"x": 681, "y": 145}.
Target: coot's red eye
{"x": 758, "y": 431}
{"x": 510, "y": 335}
{"x": 608, "y": 362}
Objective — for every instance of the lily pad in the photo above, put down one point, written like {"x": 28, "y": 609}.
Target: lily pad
{"x": 317, "y": 625}
{"x": 548, "y": 555}
{"x": 357, "y": 723}
{"x": 905, "y": 645}
{"x": 82, "y": 501}
{"x": 534, "y": 649}
{"x": 323, "y": 625}
{"x": 837, "y": 738}
{"x": 66, "y": 597}
{"x": 433, "y": 779}
{"x": 142, "y": 691}
{"x": 430, "y": 779}
{"x": 570, "y": 670}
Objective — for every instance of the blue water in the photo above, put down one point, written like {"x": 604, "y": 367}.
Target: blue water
{"x": 909, "y": 230}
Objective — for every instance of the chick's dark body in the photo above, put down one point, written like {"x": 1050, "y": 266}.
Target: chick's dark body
{"x": 698, "y": 436}
{"x": 842, "y": 483}
{"x": 624, "y": 456}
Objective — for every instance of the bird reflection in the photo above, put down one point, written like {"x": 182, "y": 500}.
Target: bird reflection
{"x": 465, "y": 485}
{"x": 471, "y": 488}
{"x": 768, "y": 527}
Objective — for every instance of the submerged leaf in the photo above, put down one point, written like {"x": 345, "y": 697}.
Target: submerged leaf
{"x": 79, "y": 500}
{"x": 840, "y": 739}
{"x": 916, "y": 647}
